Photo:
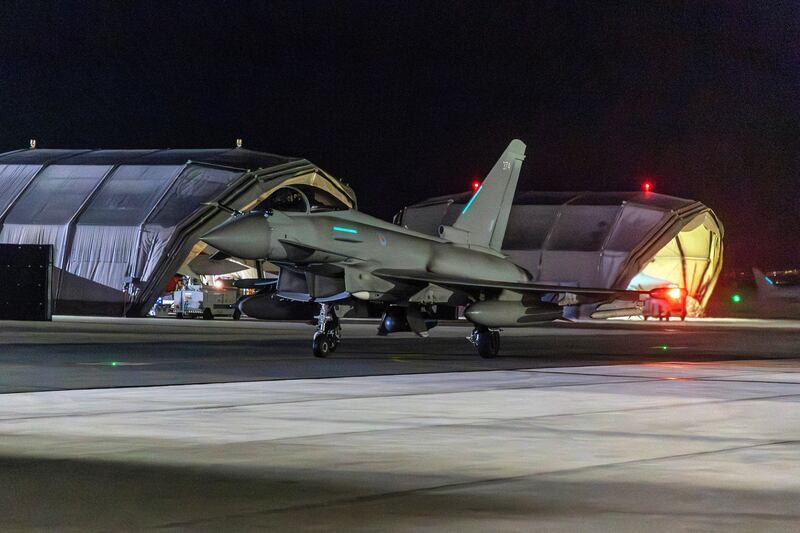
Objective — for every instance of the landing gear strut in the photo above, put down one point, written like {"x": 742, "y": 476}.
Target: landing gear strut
{"x": 486, "y": 340}
{"x": 328, "y": 333}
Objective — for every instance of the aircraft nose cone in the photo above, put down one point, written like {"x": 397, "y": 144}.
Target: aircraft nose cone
{"x": 245, "y": 237}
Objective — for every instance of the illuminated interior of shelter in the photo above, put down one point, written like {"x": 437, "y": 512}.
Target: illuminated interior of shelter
{"x": 636, "y": 240}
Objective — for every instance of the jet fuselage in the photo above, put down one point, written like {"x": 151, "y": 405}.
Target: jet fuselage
{"x": 357, "y": 244}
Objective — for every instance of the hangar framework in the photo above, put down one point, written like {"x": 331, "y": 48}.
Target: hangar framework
{"x": 122, "y": 222}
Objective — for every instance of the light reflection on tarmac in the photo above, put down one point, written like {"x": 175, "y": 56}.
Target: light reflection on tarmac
{"x": 577, "y": 427}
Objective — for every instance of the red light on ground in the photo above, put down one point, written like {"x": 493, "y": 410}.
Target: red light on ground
{"x": 476, "y": 185}
{"x": 669, "y": 293}
{"x": 647, "y": 186}
{"x": 675, "y": 293}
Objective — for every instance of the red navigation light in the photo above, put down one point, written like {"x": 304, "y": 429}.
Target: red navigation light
{"x": 647, "y": 186}
{"x": 476, "y": 185}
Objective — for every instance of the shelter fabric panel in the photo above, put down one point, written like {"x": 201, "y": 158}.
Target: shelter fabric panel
{"x": 35, "y": 234}
{"x": 696, "y": 247}
{"x": 610, "y": 266}
{"x": 13, "y": 179}
{"x": 570, "y": 267}
{"x": 667, "y": 264}
{"x": 632, "y": 227}
{"x": 56, "y": 194}
{"x": 38, "y": 234}
{"x": 105, "y": 157}
{"x": 601, "y": 198}
{"x": 528, "y": 226}
{"x": 695, "y": 243}
{"x": 151, "y": 248}
{"x": 582, "y": 228}
{"x": 38, "y": 156}
{"x": 102, "y": 254}
{"x": 195, "y": 185}
{"x": 527, "y": 259}
{"x": 128, "y": 195}
{"x": 425, "y": 219}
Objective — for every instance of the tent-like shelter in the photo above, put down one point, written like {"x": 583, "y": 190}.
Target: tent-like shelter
{"x": 122, "y": 222}
{"x": 636, "y": 240}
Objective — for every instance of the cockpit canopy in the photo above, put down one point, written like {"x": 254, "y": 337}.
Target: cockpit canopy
{"x": 301, "y": 199}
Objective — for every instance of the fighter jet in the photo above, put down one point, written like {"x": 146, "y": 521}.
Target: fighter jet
{"x": 328, "y": 255}
{"x": 778, "y": 294}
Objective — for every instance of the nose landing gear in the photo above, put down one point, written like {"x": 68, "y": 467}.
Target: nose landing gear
{"x": 486, "y": 340}
{"x": 328, "y": 334}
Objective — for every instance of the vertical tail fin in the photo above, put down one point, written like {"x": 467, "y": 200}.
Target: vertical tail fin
{"x": 763, "y": 282}
{"x": 483, "y": 220}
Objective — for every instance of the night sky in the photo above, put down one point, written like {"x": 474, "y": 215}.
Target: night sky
{"x": 408, "y": 100}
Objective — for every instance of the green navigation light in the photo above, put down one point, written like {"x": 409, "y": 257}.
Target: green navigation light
{"x": 736, "y": 298}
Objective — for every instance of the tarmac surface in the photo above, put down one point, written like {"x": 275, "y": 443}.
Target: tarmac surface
{"x": 190, "y": 425}
{"x": 78, "y": 353}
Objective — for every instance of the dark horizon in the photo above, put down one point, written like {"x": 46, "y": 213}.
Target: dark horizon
{"x": 407, "y": 101}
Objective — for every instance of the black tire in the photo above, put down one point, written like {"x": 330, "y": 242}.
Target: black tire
{"x": 333, "y": 343}
{"x": 237, "y": 314}
{"x": 207, "y": 314}
{"x": 488, "y": 343}
{"x": 321, "y": 345}
{"x": 334, "y": 333}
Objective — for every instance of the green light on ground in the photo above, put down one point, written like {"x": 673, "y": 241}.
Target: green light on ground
{"x": 664, "y": 347}
{"x": 736, "y": 298}
{"x": 114, "y": 363}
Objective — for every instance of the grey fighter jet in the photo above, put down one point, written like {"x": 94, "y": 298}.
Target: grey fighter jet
{"x": 327, "y": 255}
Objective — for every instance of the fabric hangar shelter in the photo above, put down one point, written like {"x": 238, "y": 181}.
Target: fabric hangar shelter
{"x": 123, "y": 222}
{"x": 626, "y": 240}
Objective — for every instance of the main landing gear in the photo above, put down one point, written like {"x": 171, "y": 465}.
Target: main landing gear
{"x": 328, "y": 333}
{"x": 486, "y": 340}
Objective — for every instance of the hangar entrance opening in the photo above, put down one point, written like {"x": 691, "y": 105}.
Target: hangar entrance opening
{"x": 612, "y": 240}
{"x": 688, "y": 260}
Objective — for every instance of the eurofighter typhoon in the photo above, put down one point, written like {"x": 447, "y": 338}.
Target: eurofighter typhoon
{"x": 331, "y": 255}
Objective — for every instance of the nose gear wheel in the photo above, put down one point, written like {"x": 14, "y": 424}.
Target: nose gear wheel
{"x": 328, "y": 334}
